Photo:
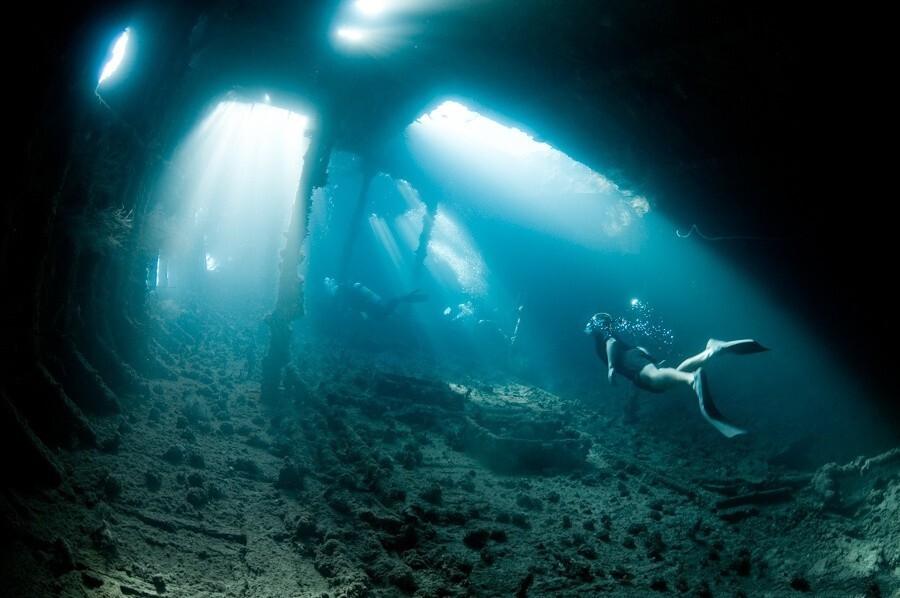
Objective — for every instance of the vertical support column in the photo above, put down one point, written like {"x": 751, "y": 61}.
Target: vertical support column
{"x": 355, "y": 222}
{"x": 289, "y": 302}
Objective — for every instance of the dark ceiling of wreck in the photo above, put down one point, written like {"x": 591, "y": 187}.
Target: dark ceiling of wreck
{"x": 713, "y": 110}
{"x": 700, "y": 105}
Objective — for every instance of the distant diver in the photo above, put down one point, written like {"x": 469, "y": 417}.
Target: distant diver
{"x": 363, "y": 300}
{"x": 498, "y": 330}
{"x": 639, "y": 366}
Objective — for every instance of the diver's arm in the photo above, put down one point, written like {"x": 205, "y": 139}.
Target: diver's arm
{"x": 611, "y": 348}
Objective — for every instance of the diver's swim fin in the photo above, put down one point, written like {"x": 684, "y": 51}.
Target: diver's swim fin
{"x": 709, "y": 409}
{"x": 741, "y": 347}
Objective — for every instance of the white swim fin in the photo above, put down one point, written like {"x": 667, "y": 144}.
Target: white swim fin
{"x": 709, "y": 409}
{"x": 744, "y": 346}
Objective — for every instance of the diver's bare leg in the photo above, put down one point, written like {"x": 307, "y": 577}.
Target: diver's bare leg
{"x": 692, "y": 363}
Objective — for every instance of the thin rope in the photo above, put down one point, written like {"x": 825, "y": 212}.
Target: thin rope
{"x": 694, "y": 229}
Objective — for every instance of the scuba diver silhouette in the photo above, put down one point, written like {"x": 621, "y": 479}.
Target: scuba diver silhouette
{"x": 363, "y": 300}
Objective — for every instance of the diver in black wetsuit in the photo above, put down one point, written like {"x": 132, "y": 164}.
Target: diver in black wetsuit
{"x": 639, "y": 366}
{"x": 365, "y": 301}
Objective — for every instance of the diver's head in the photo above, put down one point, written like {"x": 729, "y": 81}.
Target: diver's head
{"x": 330, "y": 285}
{"x": 599, "y": 321}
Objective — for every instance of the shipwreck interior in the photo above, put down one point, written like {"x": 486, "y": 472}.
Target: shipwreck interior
{"x": 156, "y": 308}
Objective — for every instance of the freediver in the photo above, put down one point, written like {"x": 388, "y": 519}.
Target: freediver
{"x": 638, "y": 365}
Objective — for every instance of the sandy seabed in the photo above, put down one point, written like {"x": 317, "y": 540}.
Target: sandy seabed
{"x": 372, "y": 474}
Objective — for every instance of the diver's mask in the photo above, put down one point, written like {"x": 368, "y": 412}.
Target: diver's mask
{"x": 598, "y": 320}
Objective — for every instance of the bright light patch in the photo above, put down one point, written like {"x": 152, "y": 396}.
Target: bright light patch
{"x": 497, "y": 137}
{"x": 383, "y": 233}
{"x": 116, "y": 56}
{"x": 370, "y": 7}
{"x": 375, "y": 29}
{"x": 409, "y": 194}
{"x": 515, "y": 177}
{"x": 162, "y": 272}
{"x": 377, "y": 41}
{"x": 452, "y": 245}
{"x": 453, "y": 258}
{"x": 227, "y": 194}
{"x": 350, "y": 34}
